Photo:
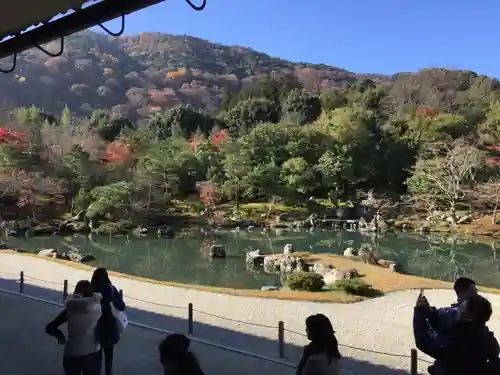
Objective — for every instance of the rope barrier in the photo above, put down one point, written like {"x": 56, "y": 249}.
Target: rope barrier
{"x": 396, "y": 355}
{"x": 235, "y": 320}
{"x": 364, "y": 350}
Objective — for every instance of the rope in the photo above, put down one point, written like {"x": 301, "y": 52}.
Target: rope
{"x": 156, "y": 303}
{"x": 235, "y": 320}
{"x": 365, "y": 350}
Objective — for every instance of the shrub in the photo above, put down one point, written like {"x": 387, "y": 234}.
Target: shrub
{"x": 356, "y": 287}
{"x": 309, "y": 281}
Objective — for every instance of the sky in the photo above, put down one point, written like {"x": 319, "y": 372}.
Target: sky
{"x": 363, "y": 36}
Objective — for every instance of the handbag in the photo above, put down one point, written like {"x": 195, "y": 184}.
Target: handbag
{"x": 120, "y": 317}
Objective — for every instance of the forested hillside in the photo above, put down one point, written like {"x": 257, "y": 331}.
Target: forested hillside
{"x": 125, "y": 128}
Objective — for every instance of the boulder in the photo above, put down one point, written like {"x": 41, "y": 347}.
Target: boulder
{"x": 217, "y": 251}
{"x": 321, "y": 269}
{"x": 288, "y": 263}
{"x": 48, "y": 253}
{"x": 272, "y": 263}
{"x": 288, "y": 249}
{"x": 77, "y": 256}
{"x": 254, "y": 259}
{"x": 349, "y": 252}
{"x": 335, "y": 275}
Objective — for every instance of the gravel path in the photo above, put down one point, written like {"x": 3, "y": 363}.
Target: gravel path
{"x": 381, "y": 324}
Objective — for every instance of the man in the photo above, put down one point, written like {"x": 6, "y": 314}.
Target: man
{"x": 442, "y": 320}
{"x": 468, "y": 348}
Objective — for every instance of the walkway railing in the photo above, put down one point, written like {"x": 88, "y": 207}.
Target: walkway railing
{"x": 279, "y": 327}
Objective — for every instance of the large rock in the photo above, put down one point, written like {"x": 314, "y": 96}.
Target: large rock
{"x": 349, "y": 252}
{"x": 48, "y": 253}
{"x": 217, "y": 251}
{"x": 321, "y": 269}
{"x": 338, "y": 274}
{"x": 288, "y": 249}
{"x": 272, "y": 262}
{"x": 254, "y": 259}
{"x": 77, "y": 256}
{"x": 71, "y": 255}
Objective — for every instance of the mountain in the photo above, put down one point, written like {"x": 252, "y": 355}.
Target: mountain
{"x": 138, "y": 75}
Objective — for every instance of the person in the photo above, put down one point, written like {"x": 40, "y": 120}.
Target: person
{"x": 469, "y": 348}
{"x": 176, "y": 358}
{"x": 321, "y": 356}
{"x": 108, "y": 330}
{"x": 82, "y": 351}
{"x": 442, "y": 320}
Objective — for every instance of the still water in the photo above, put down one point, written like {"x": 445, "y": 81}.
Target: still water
{"x": 186, "y": 259}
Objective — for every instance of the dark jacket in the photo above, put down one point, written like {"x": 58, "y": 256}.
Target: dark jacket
{"x": 466, "y": 349}
{"x": 107, "y": 328}
{"x": 187, "y": 366}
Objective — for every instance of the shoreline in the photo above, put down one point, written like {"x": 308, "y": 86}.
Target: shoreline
{"x": 394, "y": 282}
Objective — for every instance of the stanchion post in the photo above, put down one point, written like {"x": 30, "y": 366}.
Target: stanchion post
{"x": 190, "y": 317}
{"x": 21, "y": 282}
{"x": 65, "y": 290}
{"x": 414, "y": 362}
{"x": 281, "y": 338}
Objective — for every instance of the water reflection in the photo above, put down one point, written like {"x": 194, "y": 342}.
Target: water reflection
{"x": 186, "y": 259}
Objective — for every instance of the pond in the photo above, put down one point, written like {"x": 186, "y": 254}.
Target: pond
{"x": 186, "y": 259}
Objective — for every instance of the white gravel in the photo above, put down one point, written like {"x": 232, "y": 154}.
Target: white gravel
{"x": 382, "y": 324}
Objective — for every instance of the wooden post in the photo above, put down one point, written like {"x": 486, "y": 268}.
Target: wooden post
{"x": 281, "y": 338}
{"x": 65, "y": 290}
{"x": 21, "y": 282}
{"x": 190, "y": 317}
{"x": 414, "y": 362}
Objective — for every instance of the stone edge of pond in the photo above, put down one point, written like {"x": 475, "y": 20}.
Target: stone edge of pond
{"x": 323, "y": 297}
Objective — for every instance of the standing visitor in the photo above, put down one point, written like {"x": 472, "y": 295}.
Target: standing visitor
{"x": 321, "y": 356}
{"x": 443, "y": 319}
{"x": 469, "y": 347}
{"x": 108, "y": 329}
{"x": 82, "y": 351}
{"x": 176, "y": 358}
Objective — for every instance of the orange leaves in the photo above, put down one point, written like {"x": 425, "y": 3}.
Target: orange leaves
{"x": 426, "y": 112}
{"x": 117, "y": 152}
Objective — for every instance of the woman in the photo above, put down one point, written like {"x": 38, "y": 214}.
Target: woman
{"x": 82, "y": 351}
{"x": 108, "y": 329}
{"x": 176, "y": 358}
{"x": 321, "y": 356}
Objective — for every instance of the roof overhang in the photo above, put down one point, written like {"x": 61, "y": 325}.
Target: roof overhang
{"x": 17, "y": 17}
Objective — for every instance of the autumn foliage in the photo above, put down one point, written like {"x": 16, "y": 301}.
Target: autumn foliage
{"x": 208, "y": 192}
{"x": 426, "y": 112}
{"x": 117, "y": 152}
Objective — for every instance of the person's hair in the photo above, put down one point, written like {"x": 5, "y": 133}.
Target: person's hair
{"x": 84, "y": 288}
{"x": 322, "y": 335}
{"x": 174, "y": 348}
{"x": 479, "y": 309}
{"x": 100, "y": 278}
{"x": 463, "y": 283}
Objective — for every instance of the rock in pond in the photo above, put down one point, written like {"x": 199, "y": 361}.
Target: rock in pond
{"x": 217, "y": 251}
{"x": 254, "y": 259}
{"x": 71, "y": 255}
{"x": 288, "y": 249}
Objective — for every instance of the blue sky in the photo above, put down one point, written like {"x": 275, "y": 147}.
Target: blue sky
{"x": 372, "y": 36}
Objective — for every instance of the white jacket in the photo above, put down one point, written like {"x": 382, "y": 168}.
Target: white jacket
{"x": 83, "y": 314}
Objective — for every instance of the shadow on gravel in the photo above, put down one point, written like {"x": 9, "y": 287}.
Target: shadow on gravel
{"x": 137, "y": 352}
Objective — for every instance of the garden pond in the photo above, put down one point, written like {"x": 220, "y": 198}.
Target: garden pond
{"x": 186, "y": 259}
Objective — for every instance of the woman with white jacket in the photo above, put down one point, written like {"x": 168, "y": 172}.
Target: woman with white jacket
{"x": 82, "y": 351}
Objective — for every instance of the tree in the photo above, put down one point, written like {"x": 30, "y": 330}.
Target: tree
{"x": 297, "y": 175}
{"x": 248, "y": 113}
{"x": 304, "y": 106}
{"x": 445, "y": 176}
